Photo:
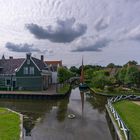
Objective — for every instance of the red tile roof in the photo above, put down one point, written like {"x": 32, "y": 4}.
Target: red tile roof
{"x": 54, "y": 62}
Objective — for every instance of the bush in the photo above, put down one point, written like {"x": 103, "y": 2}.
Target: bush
{"x": 109, "y": 88}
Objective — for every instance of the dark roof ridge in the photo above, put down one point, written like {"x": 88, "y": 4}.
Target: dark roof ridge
{"x": 40, "y": 64}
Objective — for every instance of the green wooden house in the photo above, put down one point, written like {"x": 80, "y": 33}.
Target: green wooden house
{"x": 27, "y": 73}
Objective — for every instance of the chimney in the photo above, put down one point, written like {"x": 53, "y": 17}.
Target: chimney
{"x": 10, "y": 57}
{"x": 42, "y": 58}
{"x": 28, "y": 55}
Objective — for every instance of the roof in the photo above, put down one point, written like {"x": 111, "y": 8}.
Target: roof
{"x": 112, "y": 71}
{"x": 54, "y": 62}
{"x": 8, "y": 66}
{"x": 138, "y": 66}
{"x": 41, "y": 65}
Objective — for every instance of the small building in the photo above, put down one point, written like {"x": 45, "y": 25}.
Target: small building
{"x": 27, "y": 73}
{"x": 112, "y": 71}
{"x": 53, "y": 66}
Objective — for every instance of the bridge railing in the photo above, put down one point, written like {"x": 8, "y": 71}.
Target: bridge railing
{"x": 74, "y": 78}
{"x": 116, "y": 116}
{"x": 119, "y": 121}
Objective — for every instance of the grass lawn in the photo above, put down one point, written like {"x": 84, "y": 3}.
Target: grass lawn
{"x": 130, "y": 113}
{"x": 9, "y": 125}
{"x": 64, "y": 89}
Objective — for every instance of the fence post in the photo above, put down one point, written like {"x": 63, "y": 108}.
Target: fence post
{"x": 128, "y": 135}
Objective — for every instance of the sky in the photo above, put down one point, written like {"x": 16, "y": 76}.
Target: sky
{"x": 102, "y": 31}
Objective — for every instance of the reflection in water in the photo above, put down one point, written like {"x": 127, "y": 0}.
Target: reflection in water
{"x": 29, "y": 122}
{"x": 97, "y": 102}
{"x": 47, "y": 119}
{"x": 82, "y": 101}
{"x": 32, "y": 110}
{"x": 62, "y": 110}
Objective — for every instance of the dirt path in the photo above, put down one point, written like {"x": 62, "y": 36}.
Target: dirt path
{"x": 136, "y": 102}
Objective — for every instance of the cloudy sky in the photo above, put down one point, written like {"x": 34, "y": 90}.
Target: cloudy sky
{"x": 102, "y": 31}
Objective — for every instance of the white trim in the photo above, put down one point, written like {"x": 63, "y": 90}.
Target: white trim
{"x": 21, "y": 65}
{"x": 34, "y": 63}
{"x": 30, "y": 63}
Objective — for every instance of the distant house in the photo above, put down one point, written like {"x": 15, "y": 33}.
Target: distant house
{"x": 53, "y": 66}
{"x": 112, "y": 71}
{"x": 27, "y": 73}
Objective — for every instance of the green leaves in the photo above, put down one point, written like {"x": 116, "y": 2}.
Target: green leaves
{"x": 63, "y": 74}
{"x": 132, "y": 76}
{"x": 100, "y": 79}
{"x": 129, "y": 75}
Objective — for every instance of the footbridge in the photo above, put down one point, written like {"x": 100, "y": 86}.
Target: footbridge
{"x": 72, "y": 79}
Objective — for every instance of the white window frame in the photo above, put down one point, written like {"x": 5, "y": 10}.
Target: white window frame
{"x": 32, "y": 70}
{"x": 25, "y": 70}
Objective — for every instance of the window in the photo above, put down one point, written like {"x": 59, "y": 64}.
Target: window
{"x": 32, "y": 70}
{"x": 25, "y": 70}
{"x": 8, "y": 82}
{"x": 28, "y": 61}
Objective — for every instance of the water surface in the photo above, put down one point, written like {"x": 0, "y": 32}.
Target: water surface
{"x": 47, "y": 119}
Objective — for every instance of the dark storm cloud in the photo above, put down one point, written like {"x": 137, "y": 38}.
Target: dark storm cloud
{"x": 20, "y": 47}
{"x": 64, "y": 31}
{"x": 91, "y": 44}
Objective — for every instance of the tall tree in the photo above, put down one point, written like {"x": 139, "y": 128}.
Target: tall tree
{"x": 132, "y": 76}
{"x": 111, "y": 65}
{"x": 74, "y": 70}
{"x": 63, "y": 74}
{"x": 100, "y": 79}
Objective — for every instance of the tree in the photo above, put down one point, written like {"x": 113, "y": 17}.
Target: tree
{"x": 132, "y": 76}
{"x": 111, "y": 65}
{"x": 74, "y": 69}
{"x": 131, "y": 63}
{"x": 100, "y": 79}
{"x": 63, "y": 74}
{"x": 88, "y": 73}
{"x": 121, "y": 75}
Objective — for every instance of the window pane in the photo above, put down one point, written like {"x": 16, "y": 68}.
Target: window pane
{"x": 25, "y": 70}
{"x": 31, "y": 70}
{"x": 8, "y": 82}
{"x": 28, "y": 61}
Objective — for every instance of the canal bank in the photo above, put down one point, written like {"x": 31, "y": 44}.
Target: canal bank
{"x": 49, "y": 94}
{"x": 11, "y": 125}
{"x": 102, "y": 94}
{"x": 119, "y": 126}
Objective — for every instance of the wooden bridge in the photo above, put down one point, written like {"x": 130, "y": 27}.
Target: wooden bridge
{"x": 74, "y": 79}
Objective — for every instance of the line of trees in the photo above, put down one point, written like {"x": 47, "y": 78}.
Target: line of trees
{"x": 127, "y": 75}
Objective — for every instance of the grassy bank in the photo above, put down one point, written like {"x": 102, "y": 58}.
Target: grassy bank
{"x": 63, "y": 89}
{"x": 130, "y": 113}
{"x": 9, "y": 125}
{"x": 115, "y": 93}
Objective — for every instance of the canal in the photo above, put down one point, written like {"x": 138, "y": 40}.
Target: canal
{"x": 48, "y": 119}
